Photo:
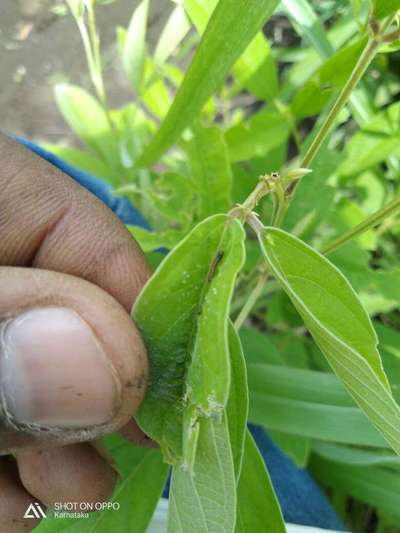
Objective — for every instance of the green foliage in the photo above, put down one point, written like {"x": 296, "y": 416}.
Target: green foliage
{"x": 339, "y": 324}
{"x": 257, "y": 503}
{"x": 133, "y": 45}
{"x": 210, "y": 166}
{"x": 250, "y": 101}
{"x": 186, "y": 299}
{"x": 383, "y": 8}
{"x": 223, "y": 41}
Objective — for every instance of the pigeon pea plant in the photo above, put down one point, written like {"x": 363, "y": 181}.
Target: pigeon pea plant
{"x": 248, "y": 261}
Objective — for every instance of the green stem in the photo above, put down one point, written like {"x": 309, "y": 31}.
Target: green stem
{"x": 253, "y": 297}
{"x": 379, "y": 216}
{"x": 97, "y": 70}
{"x": 281, "y": 200}
{"x": 363, "y": 63}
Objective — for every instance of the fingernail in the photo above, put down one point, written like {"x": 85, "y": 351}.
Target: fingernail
{"x": 54, "y": 371}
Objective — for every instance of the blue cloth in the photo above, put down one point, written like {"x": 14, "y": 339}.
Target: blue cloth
{"x": 301, "y": 500}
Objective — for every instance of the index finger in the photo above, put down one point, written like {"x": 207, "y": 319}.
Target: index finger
{"x": 49, "y": 221}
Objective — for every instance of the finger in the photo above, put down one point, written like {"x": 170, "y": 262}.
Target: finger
{"x": 132, "y": 432}
{"x": 72, "y": 364}
{"x": 14, "y": 501}
{"x": 49, "y": 221}
{"x": 75, "y": 473}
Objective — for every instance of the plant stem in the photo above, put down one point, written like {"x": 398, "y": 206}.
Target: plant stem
{"x": 363, "y": 63}
{"x": 379, "y": 216}
{"x": 97, "y": 70}
{"x": 253, "y": 297}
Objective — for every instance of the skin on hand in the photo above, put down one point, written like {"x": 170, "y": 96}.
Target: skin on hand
{"x": 72, "y": 363}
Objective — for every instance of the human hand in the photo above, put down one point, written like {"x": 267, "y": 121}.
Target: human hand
{"x": 72, "y": 364}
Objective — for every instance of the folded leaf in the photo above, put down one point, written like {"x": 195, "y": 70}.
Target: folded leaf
{"x": 338, "y": 323}
{"x": 183, "y": 316}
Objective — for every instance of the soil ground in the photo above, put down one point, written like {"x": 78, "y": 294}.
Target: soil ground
{"x": 39, "y": 47}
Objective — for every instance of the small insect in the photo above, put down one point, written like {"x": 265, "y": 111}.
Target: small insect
{"x": 214, "y": 263}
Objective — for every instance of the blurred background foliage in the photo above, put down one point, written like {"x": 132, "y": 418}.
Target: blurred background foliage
{"x": 258, "y": 120}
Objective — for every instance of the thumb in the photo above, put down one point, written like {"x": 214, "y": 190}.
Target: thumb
{"x": 72, "y": 363}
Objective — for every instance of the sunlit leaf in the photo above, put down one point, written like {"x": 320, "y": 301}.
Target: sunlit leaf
{"x": 223, "y": 42}
{"x": 338, "y": 323}
{"x": 257, "y": 503}
{"x": 173, "y": 33}
{"x": 384, "y": 8}
{"x": 211, "y": 171}
{"x": 134, "y": 45}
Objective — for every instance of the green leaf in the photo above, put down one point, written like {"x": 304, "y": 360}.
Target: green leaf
{"x": 173, "y": 33}
{"x": 339, "y": 34}
{"x": 151, "y": 240}
{"x": 338, "y": 323}
{"x": 384, "y": 8}
{"x": 77, "y": 7}
{"x": 258, "y": 507}
{"x": 298, "y": 384}
{"x": 377, "y": 140}
{"x": 211, "y": 171}
{"x": 258, "y": 347}
{"x": 308, "y": 24}
{"x": 297, "y": 448}
{"x": 302, "y": 402}
{"x": 232, "y": 26}
{"x": 355, "y": 456}
{"x": 199, "y": 12}
{"x": 327, "y": 80}
{"x": 173, "y": 195}
{"x": 263, "y": 132}
{"x": 86, "y": 118}
{"x": 144, "y": 476}
{"x": 238, "y": 404}
{"x": 134, "y": 45}
{"x": 220, "y": 448}
{"x": 183, "y": 316}
{"x": 256, "y": 71}
{"x": 332, "y": 423}
{"x": 156, "y": 97}
{"x": 205, "y": 500}
{"x": 376, "y": 486}
{"x": 314, "y": 200}
{"x": 137, "y": 494}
